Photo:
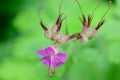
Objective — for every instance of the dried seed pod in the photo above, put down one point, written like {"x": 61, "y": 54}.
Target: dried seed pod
{"x": 54, "y": 33}
{"x": 88, "y": 33}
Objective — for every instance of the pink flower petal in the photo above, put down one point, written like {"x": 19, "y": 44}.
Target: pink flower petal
{"x": 60, "y": 59}
{"x": 42, "y": 52}
{"x": 46, "y": 60}
{"x": 49, "y": 50}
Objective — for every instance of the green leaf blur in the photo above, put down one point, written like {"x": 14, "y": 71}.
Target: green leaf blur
{"x": 21, "y": 36}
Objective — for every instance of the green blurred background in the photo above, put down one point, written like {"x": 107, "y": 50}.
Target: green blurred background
{"x": 21, "y": 36}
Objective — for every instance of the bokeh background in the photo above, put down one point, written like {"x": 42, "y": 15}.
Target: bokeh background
{"x": 21, "y": 36}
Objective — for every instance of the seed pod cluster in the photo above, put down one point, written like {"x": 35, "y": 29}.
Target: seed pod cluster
{"x": 85, "y": 35}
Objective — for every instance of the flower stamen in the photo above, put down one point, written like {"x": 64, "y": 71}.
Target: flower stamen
{"x": 50, "y": 68}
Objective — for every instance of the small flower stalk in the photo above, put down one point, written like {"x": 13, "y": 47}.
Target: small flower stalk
{"x": 50, "y": 55}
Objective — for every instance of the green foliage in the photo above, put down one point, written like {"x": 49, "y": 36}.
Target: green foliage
{"x": 99, "y": 59}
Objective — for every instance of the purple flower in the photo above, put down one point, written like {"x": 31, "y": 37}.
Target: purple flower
{"x": 52, "y": 58}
